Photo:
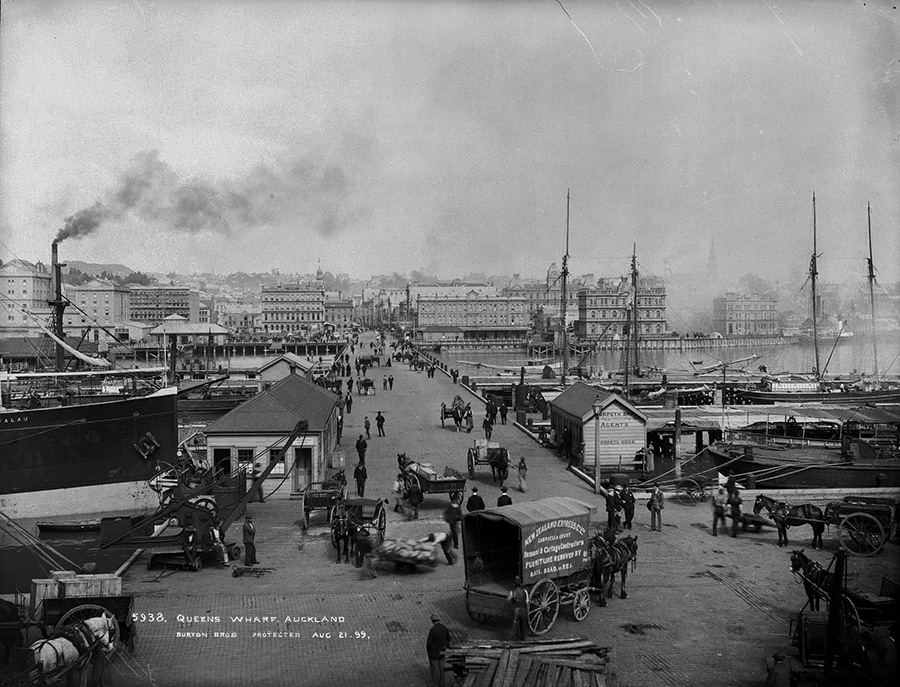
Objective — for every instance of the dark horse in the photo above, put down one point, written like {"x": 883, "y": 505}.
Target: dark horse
{"x": 498, "y": 459}
{"x": 816, "y": 580}
{"x": 11, "y": 637}
{"x": 343, "y": 529}
{"x": 609, "y": 559}
{"x": 784, "y": 516}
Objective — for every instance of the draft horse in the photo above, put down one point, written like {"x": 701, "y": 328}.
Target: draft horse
{"x": 609, "y": 559}
{"x": 498, "y": 459}
{"x": 343, "y": 530}
{"x": 785, "y": 516}
{"x": 816, "y": 580}
{"x": 73, "y": 642}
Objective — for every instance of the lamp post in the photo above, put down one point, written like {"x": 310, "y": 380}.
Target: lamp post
{"x": 596, "y": 407}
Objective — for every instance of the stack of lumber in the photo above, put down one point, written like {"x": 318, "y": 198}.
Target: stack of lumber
{"x": 534, "y": 663}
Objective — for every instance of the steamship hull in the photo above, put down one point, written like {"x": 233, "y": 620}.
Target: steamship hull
{"x": 803, "y": 468}
{"x": 72, "y": 460}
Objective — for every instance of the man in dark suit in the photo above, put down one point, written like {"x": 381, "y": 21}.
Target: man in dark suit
{"x": 436, "y": 646}
{"x": 504, "y": 499}
{"x": 475, "y": 502}
{"x": 249, "y": 541}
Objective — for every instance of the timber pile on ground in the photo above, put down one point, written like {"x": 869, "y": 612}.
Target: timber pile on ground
{"x": 532, "y": 663}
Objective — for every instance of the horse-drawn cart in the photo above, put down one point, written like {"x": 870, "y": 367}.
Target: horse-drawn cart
{"x": 363, "y": 386}
{"x": 429, "y": 480}
{"x": 693, "y": 489}
{"x": 546, "y": 543}
{"x": 61, "y": 612}
{"x": 484, "y": 452}
{"x": 864, "y": 524}
{"x": 455, "y": 410}
{"x": 323, "y": 495}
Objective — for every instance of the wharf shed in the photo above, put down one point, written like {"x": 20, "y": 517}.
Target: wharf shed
{"x": 276, "y": 369}
{"x": 606, "y": 429}
{"x": 256, "y": 430}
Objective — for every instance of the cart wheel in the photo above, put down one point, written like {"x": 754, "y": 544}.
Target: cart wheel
{"x": 198, "y": 564}
{"x": 543, "y": 606}
{"x": 86, "y": 611}
{"x": 413, "y": 479}
{"x": 235, "y": 552}
{"x": 470, "y": 462}
{"x": 861, "y": 534}
{"x": 690, "y": 491}
{"x": 581, "y": 604}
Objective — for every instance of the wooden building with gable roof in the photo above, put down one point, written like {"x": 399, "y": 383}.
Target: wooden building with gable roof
{"x": 257, "y": 429}
{"x": 610, "y": 428}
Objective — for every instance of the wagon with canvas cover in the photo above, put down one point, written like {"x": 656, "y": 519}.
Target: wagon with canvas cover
{"x": 547, "y": 543}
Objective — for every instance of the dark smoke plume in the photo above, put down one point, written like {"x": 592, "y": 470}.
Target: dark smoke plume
{"x": 298, "y": 193}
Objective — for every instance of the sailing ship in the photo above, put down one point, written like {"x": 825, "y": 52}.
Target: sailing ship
{"x": 817, "y": 388}
{"x": 91, "y": 456}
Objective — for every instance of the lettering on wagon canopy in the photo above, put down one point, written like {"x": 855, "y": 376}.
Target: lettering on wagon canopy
{"x": 554, "y": 548}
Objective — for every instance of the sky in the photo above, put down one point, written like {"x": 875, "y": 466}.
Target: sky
{"x": 379, "y": 137}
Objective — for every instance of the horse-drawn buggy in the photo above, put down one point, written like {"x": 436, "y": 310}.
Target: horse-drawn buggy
{"x": 855, "y": 621}
{"x": 323, "y": 495}
{"x": 865, "y": 524}
{"x": 352, "y": 515}
{"x": 455, "y": 410}
{"x": 484, "y": 452}
{"x": 368, "y": 360}
{"x": 335, "y": 384}
{"x": 429, "y": 480}
{"x": 546, "y": 543}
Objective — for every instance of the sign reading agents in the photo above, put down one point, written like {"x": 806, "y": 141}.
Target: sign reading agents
{"x": 554, "y": 549}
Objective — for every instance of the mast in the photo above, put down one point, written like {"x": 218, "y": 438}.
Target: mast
{"x": 634, "y": 303}
{"x": 872, "y": 296}
{"x": 565, "y": 274}
{"x": 813, "y": 272}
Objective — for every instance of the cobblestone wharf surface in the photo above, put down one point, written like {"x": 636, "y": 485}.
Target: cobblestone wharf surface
{"x": 700, "y": 609}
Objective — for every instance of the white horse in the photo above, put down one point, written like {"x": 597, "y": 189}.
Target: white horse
{"x": 51, "y": 654}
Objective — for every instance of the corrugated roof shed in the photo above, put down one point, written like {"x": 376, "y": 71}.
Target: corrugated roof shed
{"x": 579, "y": 398}
{"x": 278, "y": 409}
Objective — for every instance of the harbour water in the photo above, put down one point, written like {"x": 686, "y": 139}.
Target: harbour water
{"x": 847, "y": 357}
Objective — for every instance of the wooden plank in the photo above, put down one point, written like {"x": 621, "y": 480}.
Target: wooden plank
{"x": 502, "y": 664}
{"x": 522, "y": 668}
{"x": 511, "y": 668}
{"x": 487, "y": 677}
{"x": 531, "y": 679}
{"x": 568, "y": 646}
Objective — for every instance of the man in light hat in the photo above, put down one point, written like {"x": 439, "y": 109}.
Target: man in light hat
{"x": 475, "y": 502}
{"x": 518, "y": 597}
{"x": 504, "y": 499}
{"x": 436, "y": 645}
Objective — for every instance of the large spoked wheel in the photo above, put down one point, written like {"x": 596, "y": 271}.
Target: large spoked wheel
{"x": 581, "y": 604}
{"x": 690, "y": 491}
{"x": 470, "y": 462}
{"x": 543, "y": 606}
{"x": 861, "y": 534}
{"x": 86, "y": 611}
{"x": 207, "y": 503}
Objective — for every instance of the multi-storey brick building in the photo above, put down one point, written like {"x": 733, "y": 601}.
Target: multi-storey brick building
{"x": 293, "y": 309}
{"x": 603, "y": 309}
{"x": 472, "y": 317}
{"x": 339, "y": 312}
{"x": 152, "y": 304}
{"x": 745, "y": 314}
{"x": 98, "y": 303}
{"x": 23, "y": 285}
